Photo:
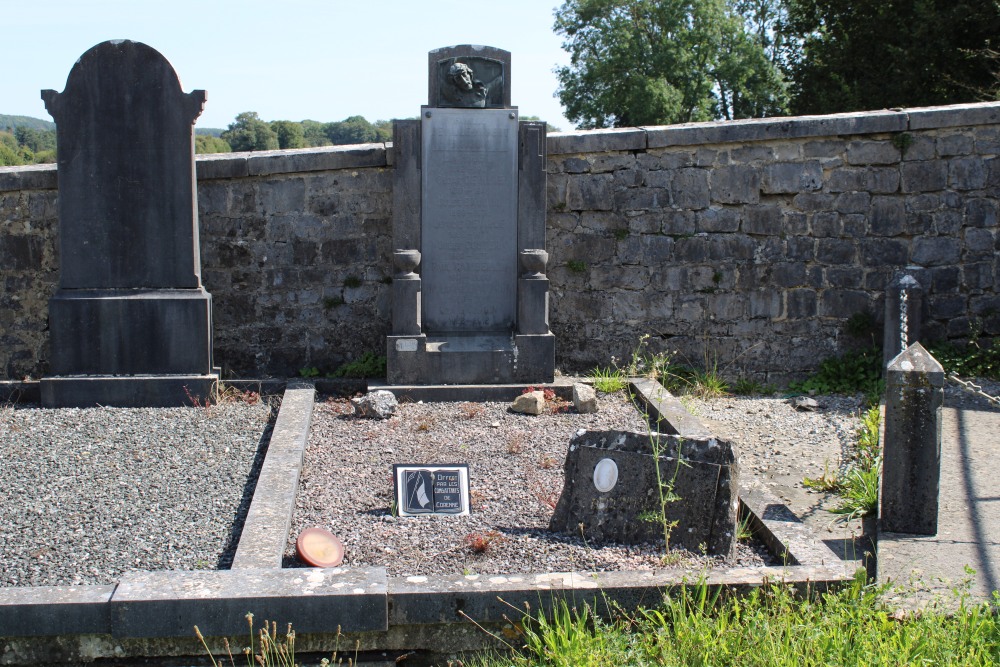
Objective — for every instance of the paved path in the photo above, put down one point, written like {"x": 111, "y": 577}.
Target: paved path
{"x": 929, "y": 568}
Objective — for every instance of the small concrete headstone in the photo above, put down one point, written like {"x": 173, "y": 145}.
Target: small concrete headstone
{"x": 584, "y": 398}
{"x": 595, "y": 501}
{"x": 379, "y": 404}
{"x": 531, "y": 403}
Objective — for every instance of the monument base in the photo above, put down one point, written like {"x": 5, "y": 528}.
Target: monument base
{"x": 127, "y": 391}
{"x": 131, "y": 332}
{"x": 470, "y": 358}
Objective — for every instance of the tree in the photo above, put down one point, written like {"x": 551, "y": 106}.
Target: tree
{"x": 206, "y": 143}
{"x": 250, "y": 133}
{"x": 352, "y": 130}
{"x": 645, "y": 62}
{"x": 314, "y": 133}
{"x": 290, "y": 134}
{"x": 870, "y": 55}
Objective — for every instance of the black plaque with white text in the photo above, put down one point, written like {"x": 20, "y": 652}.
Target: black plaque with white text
{"x": 431, "y": 489}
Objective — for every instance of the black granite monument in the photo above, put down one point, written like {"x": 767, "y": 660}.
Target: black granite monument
{"x": 131, "y": 324}
{"x": 470, "y": 296}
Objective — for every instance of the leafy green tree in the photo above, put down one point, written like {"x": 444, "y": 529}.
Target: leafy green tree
{"x": 645, "y": 62}
{"x": 352, "y": 130}
{"x": 206, "y": 143}
{"x": 854, "y": 55}
{"x": 11, "y": 154}
{"x": 383, "y": 130}
{"x": 250, "y": 133}
{"x": 36, "y": 140}
{"x": 290, "y": 134}
{"x": 314, "y": 133}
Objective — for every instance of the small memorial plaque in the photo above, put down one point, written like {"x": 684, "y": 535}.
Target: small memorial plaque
{"x": 431, "y": 489}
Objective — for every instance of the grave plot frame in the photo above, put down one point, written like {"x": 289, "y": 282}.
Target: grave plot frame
{"x": 470, "y": 295}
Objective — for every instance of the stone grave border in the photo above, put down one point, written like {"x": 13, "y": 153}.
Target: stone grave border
{"x": 152, "y": 614}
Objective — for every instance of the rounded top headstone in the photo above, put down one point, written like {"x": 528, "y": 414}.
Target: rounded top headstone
{"x": 114, "y": 69}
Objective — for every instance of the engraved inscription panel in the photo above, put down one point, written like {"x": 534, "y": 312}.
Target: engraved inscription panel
{"x": 469, "y": 222}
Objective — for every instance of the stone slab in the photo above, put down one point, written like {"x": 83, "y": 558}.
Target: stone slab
{"x": 766, "y": 129}
{"x": 469, "y": 220}
{"x": 130, "y": 332}
{"x": 222, "y": 165}
{"x": 126, "y": 391}
{"x": 469, "y": 392}
{"x": 667, "y": 413}
{"x": 51, "y": 610}
{"x": 703, "y": 473}
{"x": 29, "y": 177}
{"x": 597, "y": 141}
{"x": 470, "y": 359}
{"x": 265, "y": 532}
{"x": 494, "y": 598}
{"x": 784, "y": 533}
{"x": 128, "y": 210}
{"x": 325, "y": 158}
{"x": 170, "y": 604}
{"x": 956, "y": 115}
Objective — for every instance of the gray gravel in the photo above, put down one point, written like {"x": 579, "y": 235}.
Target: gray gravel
{"x": 89, "y": 494}
{"x": 516, "y": 475}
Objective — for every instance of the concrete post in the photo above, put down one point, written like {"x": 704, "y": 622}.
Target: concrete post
{"x": 911, "y": 459}
{"x": 406, "y": 294}
{"x": 533, "y": 293}
{"x": 903, "y": 303}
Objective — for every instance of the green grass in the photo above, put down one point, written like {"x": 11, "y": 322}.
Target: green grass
{"x": 858, "y": 371}
{"x": 972, "y": 360}
{"x": 770, "y": 626}
{"x": 608, "y": 380}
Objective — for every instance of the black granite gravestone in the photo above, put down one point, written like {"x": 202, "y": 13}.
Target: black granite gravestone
{"x": 612, "y": 488}
{"x": 470, "y": 296}
{"x": 130, "y": 324}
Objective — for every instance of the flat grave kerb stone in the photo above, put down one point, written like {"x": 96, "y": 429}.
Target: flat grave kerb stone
{"x": 421, "y": 612}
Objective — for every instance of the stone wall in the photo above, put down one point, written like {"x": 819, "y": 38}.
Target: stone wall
{"x": 748, "y": 244}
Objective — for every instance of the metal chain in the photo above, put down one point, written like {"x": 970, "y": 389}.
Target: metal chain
{"x": 973, "y": 388}
{"x": 904, "y": 334}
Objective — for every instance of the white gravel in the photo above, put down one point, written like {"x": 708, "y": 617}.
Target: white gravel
{"x": 89, "y": 494}
{"x": 516, "y": 475}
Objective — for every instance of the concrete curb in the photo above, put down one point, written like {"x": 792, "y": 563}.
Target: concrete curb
{"x": 265, "y": 533}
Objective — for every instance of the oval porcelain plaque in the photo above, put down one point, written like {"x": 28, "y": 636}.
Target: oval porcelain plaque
{"x": 605, "y": 475}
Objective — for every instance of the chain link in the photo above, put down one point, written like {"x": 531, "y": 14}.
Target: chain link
{"x": 973, "y": 388}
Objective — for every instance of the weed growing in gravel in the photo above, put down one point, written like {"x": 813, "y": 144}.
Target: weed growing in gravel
{"x": 859, "y": 371}
{"x": 368, "y": 365}
{"x": 515, "y": 444}
{"x": 826, "y": 483}
{"x": 608, "y": 380}
{"x": 553, "y": 402}
{"x": 480, "y": 543}
{"x": 471, "y": 410}
{"x": 746, "y": 387}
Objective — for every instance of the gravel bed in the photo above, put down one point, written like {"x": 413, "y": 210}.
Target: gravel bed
{"x": 516, "y": 475}
{"x": 89, "y": 494}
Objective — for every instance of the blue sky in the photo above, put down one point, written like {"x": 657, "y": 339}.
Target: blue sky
{"x": 291, "y": 60}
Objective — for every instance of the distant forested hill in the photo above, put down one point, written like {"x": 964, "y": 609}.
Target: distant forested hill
{"x": 10, "y": 122}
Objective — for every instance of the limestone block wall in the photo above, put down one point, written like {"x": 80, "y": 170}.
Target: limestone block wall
{"x": 748, "y": 243}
